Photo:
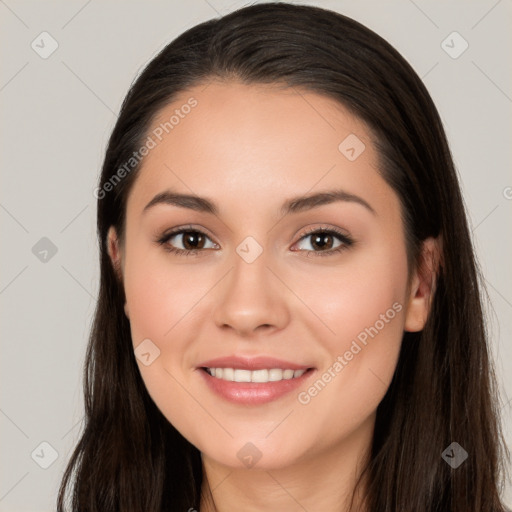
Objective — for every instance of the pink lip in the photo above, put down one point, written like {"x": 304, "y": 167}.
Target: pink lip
{"x": 252, "y": 393}
{"x": 251, "y": 363}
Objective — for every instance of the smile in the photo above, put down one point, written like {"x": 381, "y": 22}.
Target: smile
{"x": 262, "y": 376}
{"x": 254, "y": 387}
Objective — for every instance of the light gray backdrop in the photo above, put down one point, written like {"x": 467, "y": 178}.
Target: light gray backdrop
{"x": 59, "y": 104}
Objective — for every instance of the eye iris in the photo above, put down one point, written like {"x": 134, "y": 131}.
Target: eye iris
{"x": 317, "y": 240}
{"x": 188, "y": 238}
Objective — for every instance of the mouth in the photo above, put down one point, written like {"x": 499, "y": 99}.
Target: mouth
{"x": 254, "y": 387}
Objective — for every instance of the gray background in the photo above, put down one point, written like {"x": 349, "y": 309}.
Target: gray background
{"x": 56, "y": 116}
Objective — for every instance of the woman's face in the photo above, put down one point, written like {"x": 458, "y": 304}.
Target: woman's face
{"x": 263, "y": 282}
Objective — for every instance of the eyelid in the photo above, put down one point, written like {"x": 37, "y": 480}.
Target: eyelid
{"x": 187, "y": 227}
{"x": 179, "y": 230}
{"x": 325, "y": 227}
{"x": 204, "y": 231}
{"x": 343, "y": 235}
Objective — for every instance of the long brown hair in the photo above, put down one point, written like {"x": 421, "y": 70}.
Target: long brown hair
{"x": 129, "y": 458}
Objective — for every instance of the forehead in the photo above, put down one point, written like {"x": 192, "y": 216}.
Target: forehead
{"x": 258, "y": 145}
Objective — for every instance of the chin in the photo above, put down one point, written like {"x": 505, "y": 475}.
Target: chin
{"x": 254, "y": 455}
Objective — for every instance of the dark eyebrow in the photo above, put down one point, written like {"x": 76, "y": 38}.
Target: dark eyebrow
{"x": 302, "y": 203}
{"x": 293, "y": 205}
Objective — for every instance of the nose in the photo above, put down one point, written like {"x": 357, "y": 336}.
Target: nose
{"x": 251, "y": 299}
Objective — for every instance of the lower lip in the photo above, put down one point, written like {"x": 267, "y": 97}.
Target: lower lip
{"x": 253, "y": 393}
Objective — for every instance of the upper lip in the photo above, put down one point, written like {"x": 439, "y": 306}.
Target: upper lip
{"x": 252, "y": 363}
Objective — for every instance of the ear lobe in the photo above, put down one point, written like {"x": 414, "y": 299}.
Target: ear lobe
{"x": 423, "y": 285}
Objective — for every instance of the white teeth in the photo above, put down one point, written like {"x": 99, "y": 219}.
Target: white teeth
{"x": 288, "y": 374}
{"x": 259, "y": 376}
{"x": 228, "y": 373}
{"x": 242, "y": 376}
{"x": 237, "y": 375}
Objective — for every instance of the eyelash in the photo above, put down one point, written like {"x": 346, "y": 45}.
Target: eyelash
{"x": 346, "y": 240}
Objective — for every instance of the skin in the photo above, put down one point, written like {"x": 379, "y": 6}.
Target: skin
{"x": 248, "y": 148}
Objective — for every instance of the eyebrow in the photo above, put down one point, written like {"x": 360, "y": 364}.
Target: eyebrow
{"x": 293, "y": 205}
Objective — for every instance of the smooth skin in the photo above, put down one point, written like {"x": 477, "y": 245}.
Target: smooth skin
{"x": 248, "y": 149}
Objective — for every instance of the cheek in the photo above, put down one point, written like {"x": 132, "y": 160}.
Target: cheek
{"x": 363, "y": 306}
{"x": 351, "y": 296}
{"x": 166, "y": 306}
{"x": 161, "y": 299}
{"x": 158, "y": 295}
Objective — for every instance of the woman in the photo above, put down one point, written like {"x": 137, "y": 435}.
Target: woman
{"x": 289, "y": 314}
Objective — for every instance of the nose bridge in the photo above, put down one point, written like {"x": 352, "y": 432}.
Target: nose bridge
{"x": 250, "y": 272}
{"x": 250, "y": 296}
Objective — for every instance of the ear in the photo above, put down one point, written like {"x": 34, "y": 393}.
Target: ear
{"x": 423, "y": 284}
{"x": 115, "y": 254}
{"x": 114, "y": 250}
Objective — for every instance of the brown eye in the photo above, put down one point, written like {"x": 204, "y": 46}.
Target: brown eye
{"x": 325, "y": 242}
{"x": 192, "y": 241}
{"x": 322, "y": 241}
